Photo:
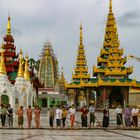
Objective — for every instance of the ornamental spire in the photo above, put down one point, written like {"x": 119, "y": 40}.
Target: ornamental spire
{"x": 81, "y": 34}
{"x": 8, "y": 26}
{"x": 111, "y": 36}
{"x": 110, "y": 6}
{"x": 26, "y": 71}
{"x": 2, "y": 63}
{"x": 62, "y": 78}
{"x": 81, "y": 69}
{"x": 20, "y": 69}
{"x": 48, "y": 51}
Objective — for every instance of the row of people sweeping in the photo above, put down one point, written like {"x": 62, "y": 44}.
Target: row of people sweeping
{"x": 62, "y": 115}
{"x": 131, "y": 115}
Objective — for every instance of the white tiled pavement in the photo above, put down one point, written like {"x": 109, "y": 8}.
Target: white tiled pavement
{"x": 43, "y": 134}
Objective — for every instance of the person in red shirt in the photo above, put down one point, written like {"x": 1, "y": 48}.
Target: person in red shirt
{"x": 84, "y": 112}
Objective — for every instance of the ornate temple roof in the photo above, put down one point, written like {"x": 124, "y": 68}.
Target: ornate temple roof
{"x": 111, "y": 61}
{"x": 110, "y": 69}
{"x": 81, "y": 69}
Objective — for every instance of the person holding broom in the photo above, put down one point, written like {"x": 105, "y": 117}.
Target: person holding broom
{"x": 119, "y": 119}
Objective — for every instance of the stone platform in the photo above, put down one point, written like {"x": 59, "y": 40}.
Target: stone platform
{"x": 78, "y": 133}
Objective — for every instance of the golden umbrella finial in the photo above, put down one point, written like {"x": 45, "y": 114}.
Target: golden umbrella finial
{"x": 26, "y": 71}
{"x": 2, "y": 63}
{"x": 20, "y": 69}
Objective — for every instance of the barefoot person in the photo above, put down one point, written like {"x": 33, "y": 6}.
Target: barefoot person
{"x": 29, "y": 116}
{"x": 105, "y": 118}
{"x": 118, "y": 112}
{"x": 51, "y": 115}
{"x": 72, "y": 115}
{"x": 3, "y": 115}
{"x": 58, "y": 116}
{"x": 20, "y": 117}
{"x": 135, "y": 113}
{"x": 92, "y": 114}
{"x": 37, "y": 116}
{"x": 84, "y": 112}
{"x": 127, "y": 116}
{"x": 64, "y": 115}
{"x": 10, "y": 115}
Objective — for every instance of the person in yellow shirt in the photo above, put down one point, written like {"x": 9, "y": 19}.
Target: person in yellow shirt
{"x": 64, "y": 115}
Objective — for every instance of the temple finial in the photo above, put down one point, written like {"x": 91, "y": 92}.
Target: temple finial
{"x": 110, "y": 6}
{"x": 2, "y": 63}
{"x": 62, "y": 78}
{"x": 20, "y": 69}
{"x": 26, "y": 71}
{"x": 8, "y": 25}
{"x": 81, "y": 34}
{"x": 47, "y": 51}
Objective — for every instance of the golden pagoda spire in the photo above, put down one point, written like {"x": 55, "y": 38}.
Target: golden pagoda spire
{"x": 110, "y": 6}
{"x": 9, "y": 26}
{"x": 62, "y": 78}
{"x": 111, "y": 35}
{"x": 20, "y": 69}
{"x": 26, "y": 71}
{"x": 81, "y": 34}
{"x": 47, "y": 51}
{"x": 2, "y": 63}
{"x": 81, "y": 69}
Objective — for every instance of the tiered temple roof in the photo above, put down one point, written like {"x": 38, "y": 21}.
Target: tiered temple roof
{"x": 81, "y": 69}
{"x": 110, "y": 70}
{"x": 111, "y": 61}
{"x": 11, "y": 58}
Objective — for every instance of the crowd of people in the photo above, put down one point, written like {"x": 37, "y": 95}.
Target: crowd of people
{"x": 64, "y": 114}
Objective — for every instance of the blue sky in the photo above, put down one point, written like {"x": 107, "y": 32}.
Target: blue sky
{"x": 33, "y": 22}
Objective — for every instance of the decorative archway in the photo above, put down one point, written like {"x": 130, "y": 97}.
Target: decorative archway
{"x": 115, "y": 97}
{"x": 4, "y": 100}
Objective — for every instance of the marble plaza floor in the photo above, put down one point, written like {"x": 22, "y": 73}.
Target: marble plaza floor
{"x": 45, "y": 134}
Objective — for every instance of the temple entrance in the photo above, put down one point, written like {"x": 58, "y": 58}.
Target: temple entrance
{"x": 115, "y": 97}
{"x": 5, "y": 100}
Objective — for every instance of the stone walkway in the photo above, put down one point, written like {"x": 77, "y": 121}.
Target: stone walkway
{"x": 78, "y": 133}
{"x": 43, "y": 134}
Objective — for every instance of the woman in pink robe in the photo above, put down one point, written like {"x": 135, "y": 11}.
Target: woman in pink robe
{"x": 37, "y": 116}
{"x": 29, "y": 116}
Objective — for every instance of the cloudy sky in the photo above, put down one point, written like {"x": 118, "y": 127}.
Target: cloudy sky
{"x": 34, "y": 22}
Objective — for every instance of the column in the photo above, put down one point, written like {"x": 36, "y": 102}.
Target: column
{"x": 48, "y": 102}
{"x": 87, "y": 97}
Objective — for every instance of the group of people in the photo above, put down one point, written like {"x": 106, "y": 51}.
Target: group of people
{"x": 61, "y": 114}
{"x": 131, "y": 116}
{"x": 7, "y": 112}
{"x": 64, "y": 114}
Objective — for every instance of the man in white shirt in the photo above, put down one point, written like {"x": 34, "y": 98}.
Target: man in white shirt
{"x": 118, "y": 112}
{"x": 58, "y": 116}
{"x": 135, "y": 113}
{"x": 92, "y": 114}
